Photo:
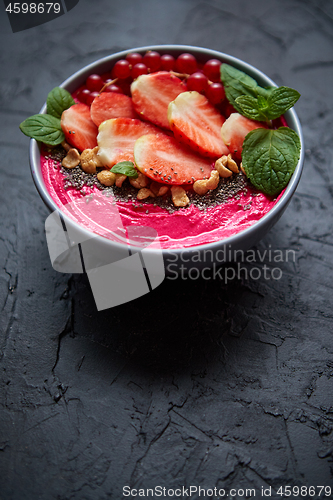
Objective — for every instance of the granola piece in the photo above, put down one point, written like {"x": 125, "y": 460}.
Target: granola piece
{"x": 106, "y": 177}
{"x": 90, "y": 160}
{"x": 97, "y": 158}
{"x": 72, "y": 159}
{"x": 120, "y": 178}
{"x": 144, "y": 193}
{"x": 179, "y": 196}
{"x": 141, "y": 181}
{"x": 163, "y": 190}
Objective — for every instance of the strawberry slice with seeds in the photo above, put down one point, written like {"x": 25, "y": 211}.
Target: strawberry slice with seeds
{"x": 197, "y": 123}
{"x": 152, "y": 94}
{"x": 80, "y": 131}
{"x": 234, "y": 130}
{"x": 111, "y": 105}
{"x": 116, "y": 139}
{"x": 164, "y": 159}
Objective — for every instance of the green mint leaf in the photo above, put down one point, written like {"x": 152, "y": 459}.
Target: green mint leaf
{"x": 43, "y": 128}
{"x": 250, "y": 107}
{"x": 237, "y": 83}
{"x": 264, "y": 92}
{"x": 262, "y": 103}
{"x": 126, "y": 168}
{"x": 280, "y": 100}
{"x": 269, "y": 158}
{"x": 57, "y": 101}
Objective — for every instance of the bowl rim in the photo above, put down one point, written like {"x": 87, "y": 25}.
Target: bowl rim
{"x": 291, "y": 117}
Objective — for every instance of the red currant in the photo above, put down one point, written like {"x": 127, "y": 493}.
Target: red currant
{"x": 82, "y": 95}
{"x": 152, "y": 60}
{"x": 113, "y": 88}
{"x": 94, "y": 83}
{"x": 197, "y": 81}
{"x": 91, "y": 97}
{"x": 212, "y": 70}
{"x": 134, "y": 58}
{"x": 167, "y": 62}
{"x": 121, "y": 69}
{"x": 139, "y": 69}
{"x": 215, "y": 93}
{"x": 186, "y": 63}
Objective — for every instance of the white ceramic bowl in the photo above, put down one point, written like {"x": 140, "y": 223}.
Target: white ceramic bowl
{"x": 182, "y": 257}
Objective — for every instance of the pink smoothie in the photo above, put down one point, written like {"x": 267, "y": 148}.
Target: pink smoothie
{"x": 183, "y": 228}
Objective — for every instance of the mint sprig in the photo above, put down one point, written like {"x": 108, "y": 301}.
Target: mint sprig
{"x": 237, "y": 83}
{"x": 280, "y": 100}
{"x": 125, "y": 168}
{"x": 46, "y": 128}
{"x": 57, "y": 101}
{"x": 269, "y": 158}
{"x": 43, "y": 128}
{"x": 253, "y": 101}
{"x": 277, "y": 103}
{"x": 252, "y": 108}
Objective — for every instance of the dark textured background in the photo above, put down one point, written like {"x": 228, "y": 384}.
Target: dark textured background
{"x": 197, "y": 382}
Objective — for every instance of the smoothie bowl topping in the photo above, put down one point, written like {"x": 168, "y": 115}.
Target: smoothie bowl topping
{"x": 191, "y": 146}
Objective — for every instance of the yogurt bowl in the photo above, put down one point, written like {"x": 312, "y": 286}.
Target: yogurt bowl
{"x": 198, "y": 250}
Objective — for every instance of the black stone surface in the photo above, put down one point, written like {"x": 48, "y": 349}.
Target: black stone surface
{"x": 198, "y": 382}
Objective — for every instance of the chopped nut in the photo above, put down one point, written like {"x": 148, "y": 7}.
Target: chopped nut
{"x": 99, "y": 162}
{"x": 140, "y": 181}
{"x": 106, "y": 177}
{"x": 120, "y": 178}
{"x": 179, "y": 196}
{"x": 66, "y": 146}
{"x": 201, "y": 187}
{"x": 90, "y": 160}
{"x": 72, "y": 159}
{"x": 224, "y": 160}
{"x": 163, "y": 190}
{"x": 144, "y": 193}
{"x": 242, "y": 168}
{"x": 220, "y": 166}
{"x": 158, "y": 189}
{"x": 213, "y": 180}
{"x": 232, "y": 165}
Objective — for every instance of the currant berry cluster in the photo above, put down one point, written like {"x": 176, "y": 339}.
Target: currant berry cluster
{"x": 204, "y": 79}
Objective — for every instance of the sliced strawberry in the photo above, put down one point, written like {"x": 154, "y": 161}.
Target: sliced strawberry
{"x": 164, "y": 159}
{"x": 234, "y": 130}
{"x": 111, "y": 105}
{"x": 80, "y": 131}
{"x": 116, "y": 139}
{"x": 197, "y": 123}
{"x": 152, "y": 94}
